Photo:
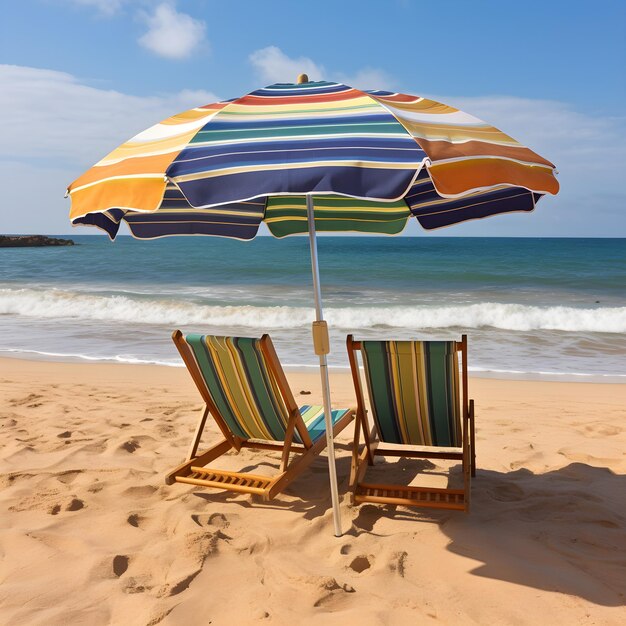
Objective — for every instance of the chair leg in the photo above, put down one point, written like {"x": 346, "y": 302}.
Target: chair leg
{"x": 354, "y": 464}
{"x": 195, "y": 442}
{"x": 472, "y": 438}
{"x": 304, "y": 459}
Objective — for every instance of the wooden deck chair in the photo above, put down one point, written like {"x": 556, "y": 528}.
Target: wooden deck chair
{"x": 246, "y": 391}
{"x": 413, "y": 389}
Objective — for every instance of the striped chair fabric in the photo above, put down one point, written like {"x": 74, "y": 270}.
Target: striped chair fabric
{"x": 245, "y": 392}
{"x": 414, "y": 391}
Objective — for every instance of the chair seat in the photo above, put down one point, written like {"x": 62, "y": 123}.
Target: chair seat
{"x": 313, "y": 416}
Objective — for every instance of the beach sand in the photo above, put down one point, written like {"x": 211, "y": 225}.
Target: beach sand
{"x": 90, "y": 533}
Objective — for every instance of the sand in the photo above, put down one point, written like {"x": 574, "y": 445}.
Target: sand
{"x": 90, "y": 533}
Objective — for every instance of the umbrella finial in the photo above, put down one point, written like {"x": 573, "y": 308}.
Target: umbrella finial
{"x": 302, "y": 78}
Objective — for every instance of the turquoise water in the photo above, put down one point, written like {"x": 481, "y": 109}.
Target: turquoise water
{"x": 529, "y": 306}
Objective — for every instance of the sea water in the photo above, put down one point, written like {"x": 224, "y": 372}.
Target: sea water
{"x": 530, "y": 307}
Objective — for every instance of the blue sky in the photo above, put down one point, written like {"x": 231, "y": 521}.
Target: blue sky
{"x": 78, "y": 77}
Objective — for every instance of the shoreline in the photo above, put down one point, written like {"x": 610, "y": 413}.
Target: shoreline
{"x": 556, "y": 377}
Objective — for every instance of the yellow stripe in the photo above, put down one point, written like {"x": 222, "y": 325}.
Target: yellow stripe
{"x": 423, "y": 393}
{"x": 239, "y": 108}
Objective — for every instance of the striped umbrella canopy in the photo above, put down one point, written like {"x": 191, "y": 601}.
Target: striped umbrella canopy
{"x": 372, "y": 159}
{"x": 307, "y": 157}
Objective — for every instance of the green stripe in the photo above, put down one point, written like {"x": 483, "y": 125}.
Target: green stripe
{"x": 288, "y": 216}
{"x": 439, "y": 408}
{"x": 394, "y": 392}
{"x": 208, "y": 136}
{"x": 213, "y": 385}
{"x": 258, "y": 377}
{"x": 377, "y": 375}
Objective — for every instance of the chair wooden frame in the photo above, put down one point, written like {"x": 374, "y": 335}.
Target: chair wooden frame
{"x": 437, "y": 498}
{"x": 193, "y": 470}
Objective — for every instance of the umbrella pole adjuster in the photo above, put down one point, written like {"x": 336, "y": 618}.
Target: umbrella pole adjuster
{"x": 321, "y": 340}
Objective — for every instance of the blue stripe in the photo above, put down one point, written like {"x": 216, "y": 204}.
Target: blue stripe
{"x": 347, "y": 154}
{"x": 147, "y": 230}
{"x": 386, "y": 184}
{"x": 289, "y": 89}
{"x": 316, "y": 143}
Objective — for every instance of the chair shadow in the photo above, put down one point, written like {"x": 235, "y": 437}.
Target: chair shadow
{"x": 308, "y": 494}
{"x": 563, "y": 530}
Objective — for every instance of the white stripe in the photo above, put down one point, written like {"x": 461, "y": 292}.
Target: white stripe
{"x": 166, "y": 131}
{"x": 458, "y": 118}
{"x": 304, "y": 140}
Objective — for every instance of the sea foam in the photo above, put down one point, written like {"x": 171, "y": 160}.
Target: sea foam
{"x": 56, "y": 303}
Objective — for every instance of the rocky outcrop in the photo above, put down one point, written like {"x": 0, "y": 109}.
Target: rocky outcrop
{"x": 29, "y": 241}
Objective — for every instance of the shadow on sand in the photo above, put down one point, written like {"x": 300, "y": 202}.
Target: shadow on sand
{"x": 562, "y": 531}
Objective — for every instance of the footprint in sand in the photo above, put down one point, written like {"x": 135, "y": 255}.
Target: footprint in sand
{"x": 30, "y": 400}
{"x": 398, "y": 563}
{"x": 75, "y": 505}
{"x": 120, "y": 564}
{"x": 144, "y": 491}
{"x": 68, "y": 476}
{"x": 130, "y": 446}
{"x": 180, "y": 586}
{"x": 360, "y": 563}
{"x": 136, "y": 520}
{"x": 333, "y": 594}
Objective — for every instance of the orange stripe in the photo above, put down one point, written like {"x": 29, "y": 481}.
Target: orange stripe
{"x": 140, "y": 193}
{"x": 186, "y": 116}
{"x": 129, "y": 167}
{"x": 398, "y": 97}
{"x": 461, "y": 176}
{"x": 440, "y": 150}
{"x": 423, "y": 106}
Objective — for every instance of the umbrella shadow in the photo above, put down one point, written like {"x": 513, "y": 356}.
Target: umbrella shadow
{"x": 563, "y": 530}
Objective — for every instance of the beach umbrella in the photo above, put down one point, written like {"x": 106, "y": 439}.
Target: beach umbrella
{"x": 306, "y": 157}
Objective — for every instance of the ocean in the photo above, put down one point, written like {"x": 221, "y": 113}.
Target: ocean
{"x": 532, "y": 308}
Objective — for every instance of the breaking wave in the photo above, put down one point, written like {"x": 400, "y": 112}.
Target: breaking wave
{"x": 56, "y": 303}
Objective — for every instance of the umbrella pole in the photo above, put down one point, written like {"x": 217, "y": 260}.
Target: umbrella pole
{"x": 321, "y": 345}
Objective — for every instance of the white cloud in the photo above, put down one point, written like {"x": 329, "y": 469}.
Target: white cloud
{"x": 366, "y": 78}
{"x": 54, "y": 127}
{"x": 45, "y": 114}
{"x": 171, "y": 34}
{"x": 274, "y": 66}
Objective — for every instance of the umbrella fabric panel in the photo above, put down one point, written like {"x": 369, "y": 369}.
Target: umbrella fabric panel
{"x": 132, "y": 176}
{"x": 315, "y": 137}
{"x": 413, "y": 389}
{"x": 433, "y": 211}
{"x": 176, "y": 216}
{"x": 466, "y": 153}
{"x": 287, "y": 215}
{"x": 109, "y": 221}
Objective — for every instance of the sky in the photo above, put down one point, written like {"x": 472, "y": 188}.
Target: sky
{"x": 79, "y": 77}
